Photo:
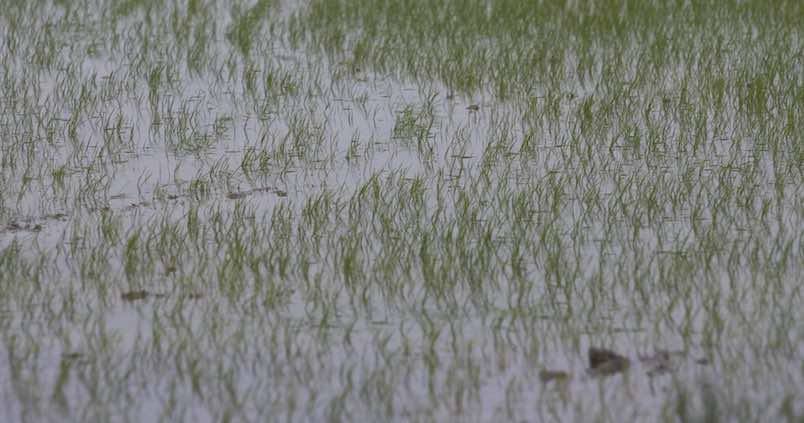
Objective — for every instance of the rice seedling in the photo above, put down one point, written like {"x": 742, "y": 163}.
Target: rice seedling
{"x": 412, "y": 210}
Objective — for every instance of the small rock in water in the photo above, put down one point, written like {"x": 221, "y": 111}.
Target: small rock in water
{"x": 603, "y": 362}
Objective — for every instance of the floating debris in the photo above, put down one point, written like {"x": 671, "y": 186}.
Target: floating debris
{"x": 660, "y": 362}
{"x": 603, "y": 362}
{"x": 238, "y": 195}
{"x": 139, "y": 295}
{"x": 135, "y": 206}
{"x": 18, "y": 227}
{"x": 473, "y": 108}
{"x": 71, "y": 356}
{"x": 243, "y": 194}
{"x": 134, "y": 295}
{"x": 553, "y": 375}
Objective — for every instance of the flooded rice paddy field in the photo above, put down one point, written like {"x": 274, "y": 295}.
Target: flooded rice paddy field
{"x": 465, "y": 210}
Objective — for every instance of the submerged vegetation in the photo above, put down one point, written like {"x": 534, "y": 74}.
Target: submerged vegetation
{"x": 409, "y": 210}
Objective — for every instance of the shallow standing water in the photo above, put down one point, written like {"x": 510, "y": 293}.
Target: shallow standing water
{"x": 400, "y": 211}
